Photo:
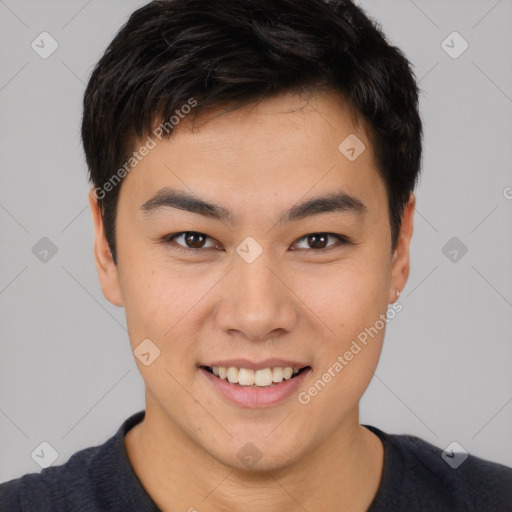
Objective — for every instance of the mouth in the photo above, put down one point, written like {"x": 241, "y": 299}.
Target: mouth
{"x": 269, "y": 377}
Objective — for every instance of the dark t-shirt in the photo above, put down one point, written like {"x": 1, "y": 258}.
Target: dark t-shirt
{"x": 415, "y": 478}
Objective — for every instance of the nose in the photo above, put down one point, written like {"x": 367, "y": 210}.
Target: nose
{"x": 257, "y": 302}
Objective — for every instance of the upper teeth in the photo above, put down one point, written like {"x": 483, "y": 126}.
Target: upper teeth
{"x": 248, "y": 377}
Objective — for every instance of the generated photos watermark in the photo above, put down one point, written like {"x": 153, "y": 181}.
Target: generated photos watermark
{"x": 137, "y": 156}
{"x": 344, "y": 359}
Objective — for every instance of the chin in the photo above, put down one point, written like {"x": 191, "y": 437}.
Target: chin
{"x": 257, "y": 454}
{"x": 258, "y": 463}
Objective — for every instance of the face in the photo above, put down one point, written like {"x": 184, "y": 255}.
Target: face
{"x": 287, "y": 265}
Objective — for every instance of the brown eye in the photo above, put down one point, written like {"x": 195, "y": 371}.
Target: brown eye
{"x": 191, "y": 240}
{"x": 318, "y": 241}
{"x": 194, "y": 240}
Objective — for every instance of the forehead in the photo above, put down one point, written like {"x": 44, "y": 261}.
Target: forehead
{"x": 279, "y": 150}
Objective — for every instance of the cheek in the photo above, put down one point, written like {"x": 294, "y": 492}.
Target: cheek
{"x": 348, "y": 296}
{"x": 162, "y": 303}
{"x": 346, "y": 363}
{"x": 157, "y": 307}
{"x": 352, "y": 304}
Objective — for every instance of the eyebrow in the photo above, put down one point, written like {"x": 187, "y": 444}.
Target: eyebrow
{"x": 335, "y": 202}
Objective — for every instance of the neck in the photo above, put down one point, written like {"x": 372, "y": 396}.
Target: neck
{"x": 342, "y": 473}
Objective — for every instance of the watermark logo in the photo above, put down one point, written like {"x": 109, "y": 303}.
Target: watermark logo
{"x": 249, "y": 455}
{"x": 249, "y": 249}
{"x": 454, "y": 455}
{"x": 146, "y": 352}
{"x": 454, "y": 45}
{"x": 44, "y": 455}
{"x": 352, "y": 147}
{"x": 44, "y": 250}
{"x": 44, "y": 45}
{"x": 454, "y": 249}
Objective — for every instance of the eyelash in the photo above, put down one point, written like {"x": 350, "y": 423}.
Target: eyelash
{"x": 169, "y": 240}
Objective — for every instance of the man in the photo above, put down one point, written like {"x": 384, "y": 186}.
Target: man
{"x": 253, "y": 166}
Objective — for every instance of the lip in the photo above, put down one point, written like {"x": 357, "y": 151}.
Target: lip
{"x": 251, "y": 365}
{"x": 255, "y": 397}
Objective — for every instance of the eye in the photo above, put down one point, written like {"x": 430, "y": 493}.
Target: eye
{"x": 192, "y": 241}
{"x": 318, "y": 241}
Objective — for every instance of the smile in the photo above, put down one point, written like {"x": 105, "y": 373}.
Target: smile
{"x": 255, "y": 387}
{"x": 261, "y": 378}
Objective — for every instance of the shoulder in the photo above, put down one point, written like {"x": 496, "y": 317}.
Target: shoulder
{"x": 54, "y": 488}
{"x": 472, "y": 479}
{"x": 452, "y": 478}
{"x": 85, "y": 482}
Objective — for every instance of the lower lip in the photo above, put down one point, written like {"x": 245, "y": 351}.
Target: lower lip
{"x": 255, "y": 397}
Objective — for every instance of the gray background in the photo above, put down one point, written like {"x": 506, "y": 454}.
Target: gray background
{"x": 67, "y": 375}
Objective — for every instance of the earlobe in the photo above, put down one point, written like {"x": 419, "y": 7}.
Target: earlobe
{"x": 107, "y": 270}
{"x": 401, "y": 262}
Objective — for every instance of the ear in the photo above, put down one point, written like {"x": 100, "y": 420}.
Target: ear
{"x": 105, "y": 266}
{"x": 400, "y": 264}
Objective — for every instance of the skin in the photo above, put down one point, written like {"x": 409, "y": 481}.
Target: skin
{"x": 197, "y": 307}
